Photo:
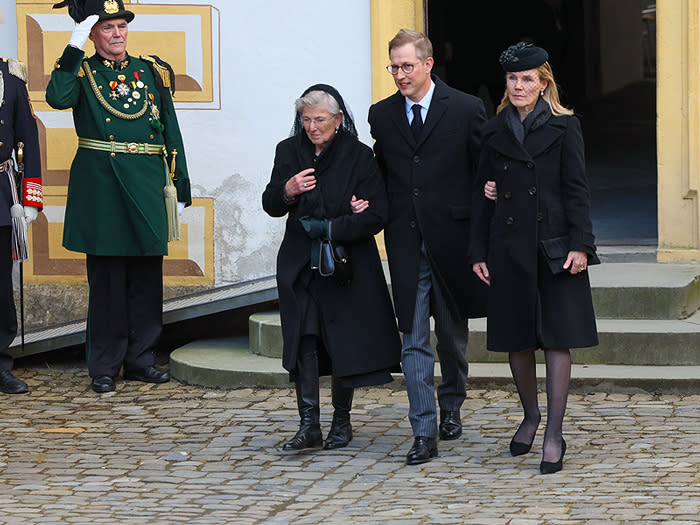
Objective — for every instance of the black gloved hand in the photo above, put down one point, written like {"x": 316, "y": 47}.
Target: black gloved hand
{"x": 315, "y": 228}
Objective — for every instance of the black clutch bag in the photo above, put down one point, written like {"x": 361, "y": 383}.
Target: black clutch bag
{"x": 335, "y": 262}
{"x": 556, "y": 250}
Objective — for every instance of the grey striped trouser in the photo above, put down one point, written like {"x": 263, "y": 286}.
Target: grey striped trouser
{"x": 418, "y": 359}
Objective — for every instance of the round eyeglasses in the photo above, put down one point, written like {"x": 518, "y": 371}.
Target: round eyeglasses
{"x": 406, "y": 68}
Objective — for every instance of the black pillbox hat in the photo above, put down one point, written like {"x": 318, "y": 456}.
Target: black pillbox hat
{"x": 522, "y": 56}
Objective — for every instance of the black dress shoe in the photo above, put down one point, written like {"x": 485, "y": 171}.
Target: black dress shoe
{"x": 450, "y": 425}
{"x": 11, "y": 384}
{"x": 549, "y": 467}
{"x": 102, "y": 384}
{"x": 148, "y": 374}
{"x": 422, "y": 451}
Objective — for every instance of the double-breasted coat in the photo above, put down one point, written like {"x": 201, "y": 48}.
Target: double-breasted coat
{"x": 429, "y": 186}
{"x": 115, "y": 203}
{"x": 358, "y": 327}
{"x": 542, "y": 194}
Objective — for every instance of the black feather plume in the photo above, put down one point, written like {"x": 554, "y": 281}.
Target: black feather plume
{"x": 76, "y": 9}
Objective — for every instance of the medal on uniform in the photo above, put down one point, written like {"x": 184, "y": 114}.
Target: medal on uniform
{"x": 121, "y": 78}
{"x": 123, "y": 90}
{"x": 139, "y": 84}
{"x": 114, "y": 95}
{"x": 136, "y": 95}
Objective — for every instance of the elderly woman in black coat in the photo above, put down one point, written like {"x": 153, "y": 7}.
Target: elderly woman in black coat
{"x": 328, "y": 184}
{"x": 533, "y": 244}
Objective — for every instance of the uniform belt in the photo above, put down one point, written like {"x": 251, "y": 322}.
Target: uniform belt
{"x": 142, "y": 148}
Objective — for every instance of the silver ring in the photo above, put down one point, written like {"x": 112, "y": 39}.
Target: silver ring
{"x": 306, "y": 185}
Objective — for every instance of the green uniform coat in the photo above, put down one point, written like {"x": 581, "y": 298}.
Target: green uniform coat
{"x": 115, "y": 202}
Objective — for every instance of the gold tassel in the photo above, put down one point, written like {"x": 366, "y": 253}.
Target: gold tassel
{"x": 170, "y": 194}
{"x": 20, "y": 244}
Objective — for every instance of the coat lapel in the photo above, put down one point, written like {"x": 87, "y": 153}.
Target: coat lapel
{"x": 438, "y": 106}
{"x": 542, "y": 138}
{"x": 505, "y": 142}
{"x": 398, "y": 114}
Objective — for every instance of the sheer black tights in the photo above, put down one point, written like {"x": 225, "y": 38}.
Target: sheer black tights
{"x": 558, "y": 364}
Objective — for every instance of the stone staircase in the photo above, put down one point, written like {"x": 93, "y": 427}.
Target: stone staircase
{"x": 648, "y": 316}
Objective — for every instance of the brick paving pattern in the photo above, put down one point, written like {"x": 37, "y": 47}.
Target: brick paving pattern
{"x": 180, "y": 454}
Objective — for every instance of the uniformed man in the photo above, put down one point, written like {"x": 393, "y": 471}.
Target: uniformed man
{"x": 18, "y": 132}
{"x": 115, "y": 211}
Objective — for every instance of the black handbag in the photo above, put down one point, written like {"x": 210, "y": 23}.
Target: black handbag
{"x": 335, "y": 262}
{"x": 556, "y": 250}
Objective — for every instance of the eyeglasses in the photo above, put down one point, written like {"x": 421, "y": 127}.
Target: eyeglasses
{"x": 406, "y": 68}
{"x": 306, "y": 121}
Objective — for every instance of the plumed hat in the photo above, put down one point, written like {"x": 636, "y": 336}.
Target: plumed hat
{"x": 79, "y": 10}
{"x": 522, "y": 56}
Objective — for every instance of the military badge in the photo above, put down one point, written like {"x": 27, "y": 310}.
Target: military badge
{"x": 123, "y": 90}
{"x": 111, "y": 7}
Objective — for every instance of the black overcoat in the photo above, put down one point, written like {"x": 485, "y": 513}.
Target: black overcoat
{"x": 542, "y": 193}
{"x": 429, "y": 184}
{"x": 358, "y": 325}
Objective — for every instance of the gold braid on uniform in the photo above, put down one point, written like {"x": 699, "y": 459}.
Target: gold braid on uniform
{"x": 103, "y": 102}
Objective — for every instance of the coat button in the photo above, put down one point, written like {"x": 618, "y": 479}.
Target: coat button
{"x": 507, "y": 195}
{"x": 108, "y": 119}
{"x": 540, "y": 216}
{"x": 510, "y": 220}
{"x": 0, "y": 144}
{"x": 505, "y": 166}
{"x": 416, "y": 159}
{"x": 416, "y": 192}
{"x": 111, "y": 137}
{"x": 532, "y": 191}
{"x": 412, "y": 224}
{"x": 530, "y": 165}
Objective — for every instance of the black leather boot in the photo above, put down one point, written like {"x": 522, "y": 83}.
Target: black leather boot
{"x": 341, "y": 429}
{"x": 309, "y": 434}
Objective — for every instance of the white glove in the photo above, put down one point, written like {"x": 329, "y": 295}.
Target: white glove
{"x": 30, "y": 214}
{"x": 180, "y": 207}
{"x": 81, "y": 31}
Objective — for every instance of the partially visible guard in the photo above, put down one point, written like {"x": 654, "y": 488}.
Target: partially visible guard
{"x": 18, "y": 135}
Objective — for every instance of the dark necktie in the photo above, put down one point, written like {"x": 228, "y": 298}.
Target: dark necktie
{"x": 417, "y": 123}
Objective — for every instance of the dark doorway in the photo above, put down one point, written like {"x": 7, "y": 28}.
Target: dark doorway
{"x": 603, "y": 56}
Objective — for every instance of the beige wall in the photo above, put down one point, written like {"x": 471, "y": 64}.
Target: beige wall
{"x": 678, "y": 122}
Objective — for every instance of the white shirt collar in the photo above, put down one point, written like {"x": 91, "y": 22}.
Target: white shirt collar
{"x": 424, "y": 102}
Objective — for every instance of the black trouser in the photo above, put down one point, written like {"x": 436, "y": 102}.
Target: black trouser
{"x": 8, "y": 314}
{"x": 125, "y": 312}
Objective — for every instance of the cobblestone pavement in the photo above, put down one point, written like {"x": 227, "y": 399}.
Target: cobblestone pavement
{"x": 180, "y": 454}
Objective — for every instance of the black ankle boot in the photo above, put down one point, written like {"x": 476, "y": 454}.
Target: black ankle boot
{"x": 341, "y": 429}
{"x": 309, "y": 434}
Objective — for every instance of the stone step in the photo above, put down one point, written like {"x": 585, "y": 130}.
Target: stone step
{"x": 228, "y": 363}
{"x": 622, "y": 341}
{"x": 645, "y": 290}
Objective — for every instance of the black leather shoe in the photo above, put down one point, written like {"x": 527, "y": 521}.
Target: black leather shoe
{"x": 148, "y": 374}
{"x": 422, "y": 451}
{"x": 102, "y": 384}
{"x": 450, "y": 425}
{"x": 550, "y": 467}
{"x": 11, "y": 384}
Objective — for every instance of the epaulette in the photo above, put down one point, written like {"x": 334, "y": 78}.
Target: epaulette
{"x": 162, "y": 69}
{"x": 18, "y": 69}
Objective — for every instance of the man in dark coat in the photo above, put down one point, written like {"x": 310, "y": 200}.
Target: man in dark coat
{"x": 17, "y": 126}
{"x": 115, "y": 212}
{"x": 427, "y": 144}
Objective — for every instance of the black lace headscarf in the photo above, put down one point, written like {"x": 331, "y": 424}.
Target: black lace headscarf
{"x": 348, "y": 124}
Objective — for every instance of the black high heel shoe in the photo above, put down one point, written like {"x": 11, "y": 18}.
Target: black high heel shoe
{"x": 517, "y": 448}
{"x": 550, "y": 467}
